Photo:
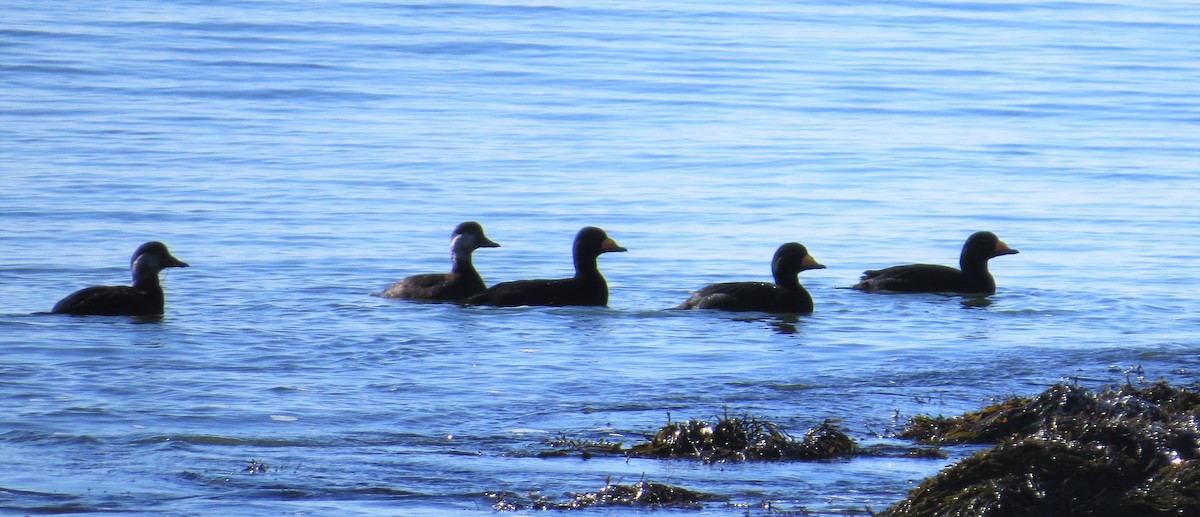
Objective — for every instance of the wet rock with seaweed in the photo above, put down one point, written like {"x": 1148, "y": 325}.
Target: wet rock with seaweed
{"x": 729, "y": 439}
{"x": 744, "y": 439}
{"x": 645, "y": 494}
{"x": 1068, "y": 451}
{"x": 563, "y": 445}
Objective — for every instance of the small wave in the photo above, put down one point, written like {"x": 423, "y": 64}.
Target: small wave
{"x": 206, "y": 439}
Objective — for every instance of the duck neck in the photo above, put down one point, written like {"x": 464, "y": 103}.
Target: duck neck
{"x": 146, "y": 279}
{"x": 460, "y": 262}
{"x": 791, "y": 281}
{"x": 974, "y": 267}
{"x": 586, "y": 269}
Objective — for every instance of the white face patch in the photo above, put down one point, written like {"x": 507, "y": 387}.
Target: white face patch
{"x": 147, "y": 262}
{"x": 463, "y": 242}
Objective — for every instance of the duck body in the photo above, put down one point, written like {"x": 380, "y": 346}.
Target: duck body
{"x": 462, "y": 281}
{"x": 560, "y": 292}
{"x": 786, "y": 295}
{"x": 144, "y": 298}
{"x": 112, "y": 300}
{"x": 750, "y": 296}
{"x": 972, "y": 277}
{"x": 587, "y": 287}
{"x": 436, "y": 287}
{"x": 925, "y": 278}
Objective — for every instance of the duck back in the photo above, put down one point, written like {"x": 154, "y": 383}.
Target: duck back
{"x": 437, "y": 286}
{"x": 750, "y": 296}
{"x": 550, "y": 293}
{"x": 112, "y": 300}
{"x": 925, "y": 278}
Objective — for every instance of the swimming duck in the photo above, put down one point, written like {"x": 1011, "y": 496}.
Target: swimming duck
{"x": 972, "y": 278}
{"x": 462, "y": 280}
{"x": 785, "y": 295}
{"x": 587, "y": 287}
{"x": 144, "y": 298}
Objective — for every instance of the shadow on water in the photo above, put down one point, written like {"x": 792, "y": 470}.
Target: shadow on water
{"x": 779, "y": 323}
{"x": 782, "y": 323}
{"x": 976, "y": 302}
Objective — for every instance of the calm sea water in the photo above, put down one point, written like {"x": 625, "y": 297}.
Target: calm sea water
{"x": 303, "y": 155}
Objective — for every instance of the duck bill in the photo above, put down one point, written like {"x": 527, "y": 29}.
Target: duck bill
{"x": 610, "y": 245}
{"x": 1003, "y": 249}
{"x": 810, "y": 263}
{"x": 174, "y": 262}
{"x": 487, "y": 243}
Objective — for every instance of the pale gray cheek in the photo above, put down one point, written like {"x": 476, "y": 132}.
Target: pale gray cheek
{"x": 147, "y": 262}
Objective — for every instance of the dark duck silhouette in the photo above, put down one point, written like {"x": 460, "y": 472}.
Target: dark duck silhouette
{"x": 972, "y": 278}
{"x": 143, "y": 298}
{"x": 587, "y": 287}
{"x": 786, "y": 295}
{"x": 462, "y": 280}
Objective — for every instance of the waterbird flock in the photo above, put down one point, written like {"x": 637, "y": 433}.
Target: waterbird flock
{"x": 464, "y": 285}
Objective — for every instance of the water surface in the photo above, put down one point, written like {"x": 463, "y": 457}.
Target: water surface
{"x": 303, "y": 155}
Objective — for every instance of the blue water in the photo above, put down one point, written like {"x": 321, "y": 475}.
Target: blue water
{"x": 303, "y": 155}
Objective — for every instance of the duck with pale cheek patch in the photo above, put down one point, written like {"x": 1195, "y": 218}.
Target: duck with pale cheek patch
{"x": 462, "y": 280}
{"x": 972, "y": 278}
{"x": 786, "y": 295}
{"x": 587, "y": 287}
{"x": 143, "y": 298}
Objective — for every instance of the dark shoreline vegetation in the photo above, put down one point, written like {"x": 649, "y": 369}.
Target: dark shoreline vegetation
{"x": 1068, "y": 451}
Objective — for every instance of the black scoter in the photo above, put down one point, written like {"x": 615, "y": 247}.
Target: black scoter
{"x": 587, "y": 287}
{"x": 462, "y": 280}
{"x": 972, "y": 278}
{"x": 786, "y": 295}
{"x": 144, "y": 298}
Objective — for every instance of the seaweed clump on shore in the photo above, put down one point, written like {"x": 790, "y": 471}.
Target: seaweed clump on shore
{"x": 641, "y": 494}
{"x": 744, "y": 439}
{"x": 1069, "y": 451}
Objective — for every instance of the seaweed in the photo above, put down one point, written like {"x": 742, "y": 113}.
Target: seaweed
{"x": 744, "y": 439}
{"x": 256, "y": 467}
{"x": 646, "y": 494}
{"x": 566, "y": 446}
{"x": 1069, "y": 451}
{"x": 1025, "y": 416}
